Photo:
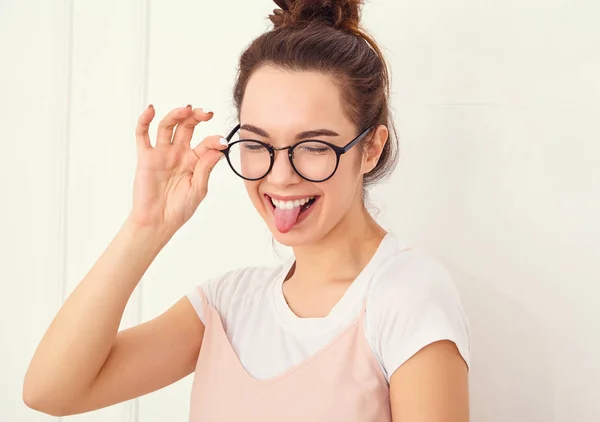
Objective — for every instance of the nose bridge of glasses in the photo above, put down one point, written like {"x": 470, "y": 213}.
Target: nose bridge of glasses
{"x": 289, "y": 147}
{"x": 285, "y": 157}
{"x": 274, "y": 155}
{"x": 281, "y": 163}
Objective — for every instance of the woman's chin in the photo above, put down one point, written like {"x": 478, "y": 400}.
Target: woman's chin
{"x": 292, "y": 238}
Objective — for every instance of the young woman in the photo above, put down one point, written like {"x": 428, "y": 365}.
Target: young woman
{"x": 356, "y": 327}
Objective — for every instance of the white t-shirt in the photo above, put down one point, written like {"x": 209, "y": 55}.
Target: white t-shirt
{"x": 411, "y": 301}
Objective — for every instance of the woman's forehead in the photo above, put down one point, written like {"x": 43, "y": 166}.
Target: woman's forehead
{"x": 297, "y": 98}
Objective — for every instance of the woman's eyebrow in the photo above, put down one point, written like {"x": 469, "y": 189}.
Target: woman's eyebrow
{"x": 300, "y": 136}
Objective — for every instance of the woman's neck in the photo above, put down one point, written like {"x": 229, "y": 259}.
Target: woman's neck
{"x": 343, "y": 252}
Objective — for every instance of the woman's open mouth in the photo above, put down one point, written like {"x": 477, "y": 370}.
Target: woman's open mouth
{"x": 288, "y": 213}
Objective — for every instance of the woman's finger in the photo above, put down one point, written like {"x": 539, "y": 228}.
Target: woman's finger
{"x": 141, "y": 130}
{"x": 168, "y": 123}
{"x": 185, "y": 129}
{"x": 210, "y": 143}
{"x": 209, "y": 152}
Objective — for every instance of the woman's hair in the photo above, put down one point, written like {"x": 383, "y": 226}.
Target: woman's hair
{"x": 325, "y": 36}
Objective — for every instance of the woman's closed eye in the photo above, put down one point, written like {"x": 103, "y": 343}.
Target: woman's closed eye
{"x": 253, "y": 147}
{"x": 314, "y": 148}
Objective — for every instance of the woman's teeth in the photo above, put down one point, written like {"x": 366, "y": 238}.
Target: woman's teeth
{"x": 288, "y": 205}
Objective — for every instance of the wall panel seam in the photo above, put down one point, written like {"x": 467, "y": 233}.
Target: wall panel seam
{"x": 65, "y": 135}
{"x": 140, "y": 102}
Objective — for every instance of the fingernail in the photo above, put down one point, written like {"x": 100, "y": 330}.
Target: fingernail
{"x": 150, "y": 106}
{"x": 189, "y": 106}
{"x": 223, "y": 141}
{"x": 206, "y": 110}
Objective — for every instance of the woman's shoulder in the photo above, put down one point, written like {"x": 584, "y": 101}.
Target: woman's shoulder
{"x": 413, "y": 286}
{"x": 414, "y": 301}
{"x": 227, "y": 290}
{"x": 254, "y": 273}
{"x": 239, "y": 281}
{"x": 409, "y": 273}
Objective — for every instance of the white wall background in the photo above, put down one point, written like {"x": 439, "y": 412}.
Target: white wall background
{"x": 497, "y": 105}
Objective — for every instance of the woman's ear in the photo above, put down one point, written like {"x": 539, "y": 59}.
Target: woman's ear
{"x": 375, "y": 143}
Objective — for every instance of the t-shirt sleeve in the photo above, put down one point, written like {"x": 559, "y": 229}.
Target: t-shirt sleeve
{"x": 195, "y": 298}
{"x": 409, "y": 315}
{"x": 208, "y": 288}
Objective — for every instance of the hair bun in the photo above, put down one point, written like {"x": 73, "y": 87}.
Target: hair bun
{"x": 340, "y": 14}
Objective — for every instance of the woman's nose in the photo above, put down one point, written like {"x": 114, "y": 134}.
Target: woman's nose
{"x": 282, "y": 172}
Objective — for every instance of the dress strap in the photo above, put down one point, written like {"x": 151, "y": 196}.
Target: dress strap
{"x": 205, "y": 306}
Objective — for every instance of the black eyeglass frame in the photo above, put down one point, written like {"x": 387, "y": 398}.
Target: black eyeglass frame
{"x": 339, "y": 151}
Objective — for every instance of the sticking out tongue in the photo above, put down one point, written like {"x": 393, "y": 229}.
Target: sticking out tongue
{"x": 285, "y": 219}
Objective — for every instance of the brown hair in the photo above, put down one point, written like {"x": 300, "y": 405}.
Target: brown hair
{"x": 325, "y": 36}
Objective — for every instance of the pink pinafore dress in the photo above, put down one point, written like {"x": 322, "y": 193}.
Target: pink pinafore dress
{"x": 341, "y": 382}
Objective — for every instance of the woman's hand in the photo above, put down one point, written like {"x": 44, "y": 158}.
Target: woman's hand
{"x": 172, "y": 178}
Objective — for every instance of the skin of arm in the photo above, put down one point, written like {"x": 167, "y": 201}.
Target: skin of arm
{"x": 83, "y": 363}
{"x": 432, "y": 386}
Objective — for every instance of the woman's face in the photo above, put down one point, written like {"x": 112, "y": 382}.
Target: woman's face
{"x": 280, "y": 105}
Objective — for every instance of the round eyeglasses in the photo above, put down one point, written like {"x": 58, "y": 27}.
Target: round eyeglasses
{"x": 313, "y": 160}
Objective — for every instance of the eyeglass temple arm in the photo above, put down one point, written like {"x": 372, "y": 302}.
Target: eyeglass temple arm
{"x": 230, "y": 135}
{"x": 356, "y": 140}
